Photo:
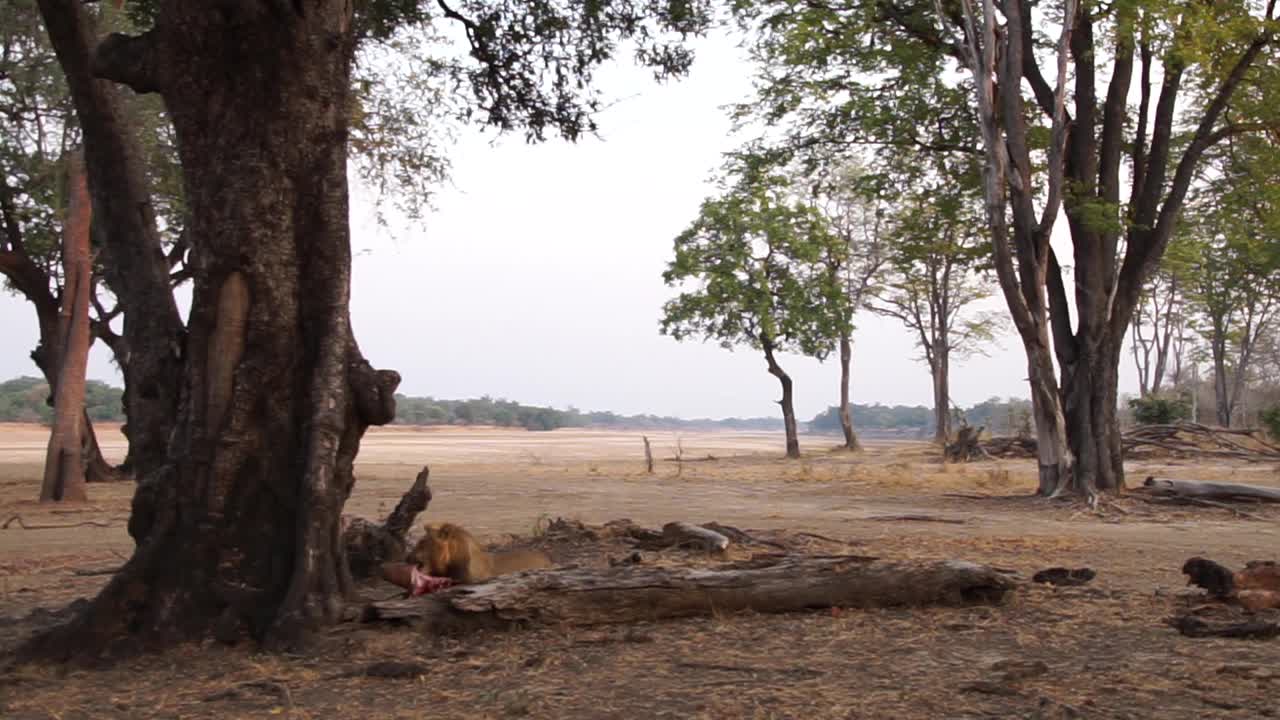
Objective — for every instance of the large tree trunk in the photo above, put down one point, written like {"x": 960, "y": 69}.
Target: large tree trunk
{"x": 64, "y": 473}
{"x": 1089, "y": 391}
{"x": 135, "y": 268}
{"x": 846, "y": 420}
{"x": 938, "y": 368}
{"x": 787, "y": 402}
{"x": 589, "y": 596}
{"x": 239, "y": 531}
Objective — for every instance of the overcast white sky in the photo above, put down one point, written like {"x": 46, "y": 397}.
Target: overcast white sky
{"x": 538, "y": 278}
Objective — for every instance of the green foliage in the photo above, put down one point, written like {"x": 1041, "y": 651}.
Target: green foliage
{"x": 1001, "y": 417}
{"x": 26, "y": 399}
{"x": 1160, "y": 409}
{"x": 40, "y": 125}
{"x": 756, "y": 258}
{"x": 1271, "y": 421}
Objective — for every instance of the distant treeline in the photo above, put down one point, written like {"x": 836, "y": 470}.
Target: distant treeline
{"x": 508, "y": 413}
{"x": 1000, "y": 417}
{"x": 25, "y": 399}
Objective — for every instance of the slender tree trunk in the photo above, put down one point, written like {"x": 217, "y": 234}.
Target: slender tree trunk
{"x": 239, "y": 531}
{"x": 1221, "y": 396}
{"x": 846, "y": 420}
{"x": 941, "y": 396}
{"x": 135, "y": 268}
{"x": 787, "y": 402}
{"x": 25, "y": 277}
{"x": 64, "y": 475}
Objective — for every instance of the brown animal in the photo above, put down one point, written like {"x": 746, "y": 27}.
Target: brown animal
{"x": 448, "y": 550}
{"x": 1257, "y": 587}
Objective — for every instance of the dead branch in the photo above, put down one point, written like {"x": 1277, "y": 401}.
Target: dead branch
{"x": 23, "y": 524}
{"x": 916, "y": 518}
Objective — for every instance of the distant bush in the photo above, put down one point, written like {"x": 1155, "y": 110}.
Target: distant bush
{"x": 1159, "y": 410}
{"x": 1271, "y": 421}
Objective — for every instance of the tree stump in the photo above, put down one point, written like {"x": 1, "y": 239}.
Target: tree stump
{"x": 369, "y": 545}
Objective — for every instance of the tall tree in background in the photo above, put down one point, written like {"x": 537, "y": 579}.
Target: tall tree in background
{"x": 1160, "y": 329}
{"x": 1040, "y": 155}
{"x": 764, "y": 266}
{"x": 238, "y": 530}
{"x": 64, "y": 476}
{"x": 39, "y": 127}
{"x": 134, "y": 263}
{"x": 937, "y": 246}
{"x": 1234, "y": 276}
{"x": 1086, "y": 149}
{"x": 856, "y": 218}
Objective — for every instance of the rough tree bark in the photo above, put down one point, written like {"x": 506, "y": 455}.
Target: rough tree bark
{"x": 239, "y": 530}
{"x": 593, "y": 596}
{"x": 136, "y": 269}
{"x": 846, "y": 420}
{"x": 787, "y": 402}
{"x": 64, "y": 472}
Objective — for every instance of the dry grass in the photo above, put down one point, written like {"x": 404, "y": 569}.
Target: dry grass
{"x": 1105, "y": 651}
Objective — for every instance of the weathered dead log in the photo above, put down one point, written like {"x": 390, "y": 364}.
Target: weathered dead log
{"x": 683, "y": 534}
{"x": 369, "y": 545}
{"x": 1194, "y": 627}
{"x": 594, "y": 596}
{"x": 1201, "y": 490}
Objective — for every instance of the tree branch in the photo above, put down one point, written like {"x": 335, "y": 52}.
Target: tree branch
{"x": 130, "y": 59}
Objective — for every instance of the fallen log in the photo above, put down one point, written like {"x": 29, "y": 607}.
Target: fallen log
{"x": 595, "y": 596}
{"x": 1202, "y": 490}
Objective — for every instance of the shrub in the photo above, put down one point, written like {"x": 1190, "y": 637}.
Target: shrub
{"x": 1159, "y": 410}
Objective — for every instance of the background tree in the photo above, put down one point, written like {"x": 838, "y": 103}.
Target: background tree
{"x": 1235, "y": 274}
{"x": 937, "y": 250}
{"x": 1160, "y": 331}
{"x": 37, "y": 129}
{"x": 1040, "y": 156}
{"x": 763, "y": 268}
{"x": 845, "y": 196}
{"x": 238, "y": 530}
{"x": 64, "y": 477}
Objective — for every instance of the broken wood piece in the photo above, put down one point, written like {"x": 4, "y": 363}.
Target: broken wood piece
{"x": 595, "y": 596}
{"x": 683, "y": 534}
{"x": 369, "y": 545}
{"x": 916, "y": 518}
{"x": 1194, "y": 627}
{"x": 1066, "y": 577}
{"x": 1203, "y": 490}
{"x": 741, "y": 537}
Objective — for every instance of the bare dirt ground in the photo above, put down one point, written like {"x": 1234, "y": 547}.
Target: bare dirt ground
{"x": 1101, "y": 650}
